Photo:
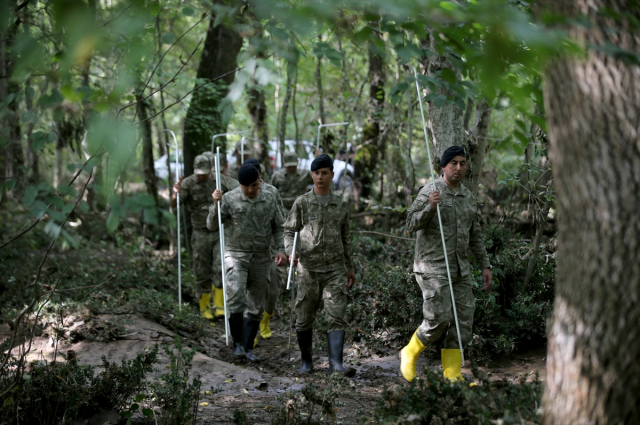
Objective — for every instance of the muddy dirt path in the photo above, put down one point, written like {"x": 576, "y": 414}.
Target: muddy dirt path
{"x": 261, "y": 390}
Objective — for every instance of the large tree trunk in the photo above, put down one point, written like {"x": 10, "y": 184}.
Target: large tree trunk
{"x": 593, "y": 109}
{"x": 283, "y": 113}
{"x": 372, "y": 145}
{"x": 446, "y": 124}
{"x": 204, "y": 119}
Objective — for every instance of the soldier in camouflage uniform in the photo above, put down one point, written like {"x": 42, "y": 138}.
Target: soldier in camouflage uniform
{"x": 232, "y": 171}
{"x": 276, "y": 280}
{"x": 252, "y": 219}
{"x": 291, "y": 181}
{"x": 196, "y": 191}
{"x": 223, "y": 161}
{"x": 325, "y": 269}
{"x": 462, "y": 235}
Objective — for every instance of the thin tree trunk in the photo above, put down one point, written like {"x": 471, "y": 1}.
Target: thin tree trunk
{"x": 323, "y": 118}
{"x": 148, "y": 169}
{"x": 204, "y": 118}
{"x": 409, "y": 172}
{"x": 283, "y": 114}
{"x": 477, "y": 145}
{"x": 295, "y": 116}
{"x": 258, "y": 111}
{"x": 592, "y": 102}
{"x": 541, "y": 221}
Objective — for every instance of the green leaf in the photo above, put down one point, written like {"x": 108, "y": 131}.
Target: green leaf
{"x": 399, "y": 88}
{"x": 72, "y": 241}
{"x": 187, "y": 11}
{"x": 139, "y": 398}
{"x": 30, "y": 195}
{"x": 148, "y": 413}
{"x": 150, "y": 216}
{"x": 439, "y": 100}
{"x": 9, "y": 184}
{"x": 112, "y": 222}
{"x": 38, "y": 140}
{"x": 168, "y": 38}
{"x": 52, "y": 229}
{"x": 449, "y": 76}
{"x": 362, "y": 35}
{"x": 51, "y": 99}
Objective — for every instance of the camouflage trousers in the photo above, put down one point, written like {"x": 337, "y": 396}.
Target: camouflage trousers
{"x": 278, "y": 281}
{"x": 247, "y": 279}
{"x": 316, "y": 289}
{"x": 206, "y": 260}
{"x": 438, "y": 314}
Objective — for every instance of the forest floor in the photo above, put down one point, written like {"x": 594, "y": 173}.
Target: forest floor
{"x": 116, "y": 320}
{"x": 261, "y": 390}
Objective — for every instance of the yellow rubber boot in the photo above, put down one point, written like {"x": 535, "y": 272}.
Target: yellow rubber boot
{"x": 409, "y": 357}
{"x": 255, "y": 342}
{"x": 205, "y": 306}
{"x": 265, "y": 331}
{"x": 451, "y": 364}
{"x": 218, "y": 302}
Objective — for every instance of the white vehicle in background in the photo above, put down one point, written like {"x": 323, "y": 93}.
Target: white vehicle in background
{"x": 343, "y": 172}
{"x": 160, "y": 166}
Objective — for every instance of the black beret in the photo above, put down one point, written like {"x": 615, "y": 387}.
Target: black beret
{"x": 448, "y": 154}
{"x": 248, "y": 174}
{"x": 322, "y": 161}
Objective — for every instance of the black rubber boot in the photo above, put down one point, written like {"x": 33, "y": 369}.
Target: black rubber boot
{"x": 236, "y": 326}
{"x": 336, "y": 343}
{"x": 305, "y": 342}
{"x": 251, "y": 328}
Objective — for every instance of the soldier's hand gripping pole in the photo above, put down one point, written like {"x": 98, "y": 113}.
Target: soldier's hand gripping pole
{"x": 444, "y": 246}
{"x": 221, "y": 232}
{"x": 175, "y": 149}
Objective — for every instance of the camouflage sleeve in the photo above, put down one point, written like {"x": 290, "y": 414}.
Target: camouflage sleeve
{"x": 227, "y": 183}
{"x": 346, "y": 243}
{"x": 184, "y": 192}
{"x": 420, "y": 213}
{"x": 277, "y": 229}
{"x": 282, "y": 211}
{"x": 212, "y": 218}
{"x": 476, "y": 244}
{"x": 292, "y": 225}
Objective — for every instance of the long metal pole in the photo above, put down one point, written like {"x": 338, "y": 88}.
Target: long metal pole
{"x": 444, "y": 246}
{"x": 221, "y": 232}
{"x": 175, "y": 142}
{"x": 226, "y": 134}
{"x": 326, "y": 125}
{"x": 293, "y": 256}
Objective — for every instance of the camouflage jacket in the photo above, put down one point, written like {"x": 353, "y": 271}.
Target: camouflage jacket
{"x": 291, "y": 187}
{"x": 232, "y": 171}
{"x": 198, "y": 196}
{"x": 250, "y": 224}
{"x": 324, "y": 241}
{"x": 276, "y": 193}
{"x": 461, "y": 231}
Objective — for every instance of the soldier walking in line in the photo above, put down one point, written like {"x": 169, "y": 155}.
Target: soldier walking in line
{"x": 275, "y": 282}
{"x": 462, "y": 234}
{"x": 252, "y": 219}
{"x": 325, "y": 269}
{"x": 232, "y": 171}
{"x": 291, "y": 181}
{"x": 196, "y": 191}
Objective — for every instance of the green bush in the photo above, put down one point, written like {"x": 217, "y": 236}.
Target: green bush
{"x": 385, "y": 306}
{"x": 436, "y": 401}
{"x": 60, "y": 392}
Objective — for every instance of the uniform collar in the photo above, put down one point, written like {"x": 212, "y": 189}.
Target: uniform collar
{"x": 447, "y": 189}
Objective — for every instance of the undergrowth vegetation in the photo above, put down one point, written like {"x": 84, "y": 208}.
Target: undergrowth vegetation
{"x": 386, "y": 304}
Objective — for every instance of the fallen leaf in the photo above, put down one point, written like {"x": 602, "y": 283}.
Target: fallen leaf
{"x": 227, "y": 380}
{"x": 245, "y": 391}
{"x": 204, "y": 404}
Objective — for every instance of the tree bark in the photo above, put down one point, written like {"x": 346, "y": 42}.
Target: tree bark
{"x": 148, "y": 168}
{"x": 323, "y": 118}
{"x": 372, "y": 145}
{"x": 409, "y": 172}
{"x": 258, "y": 111}
{"x": 283, "y": 113}
{"x": 446, "y": 124}
{"x": 477, "y": 145}
{"x": 593, "y": 108}
{"x": 204, "y": 118}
